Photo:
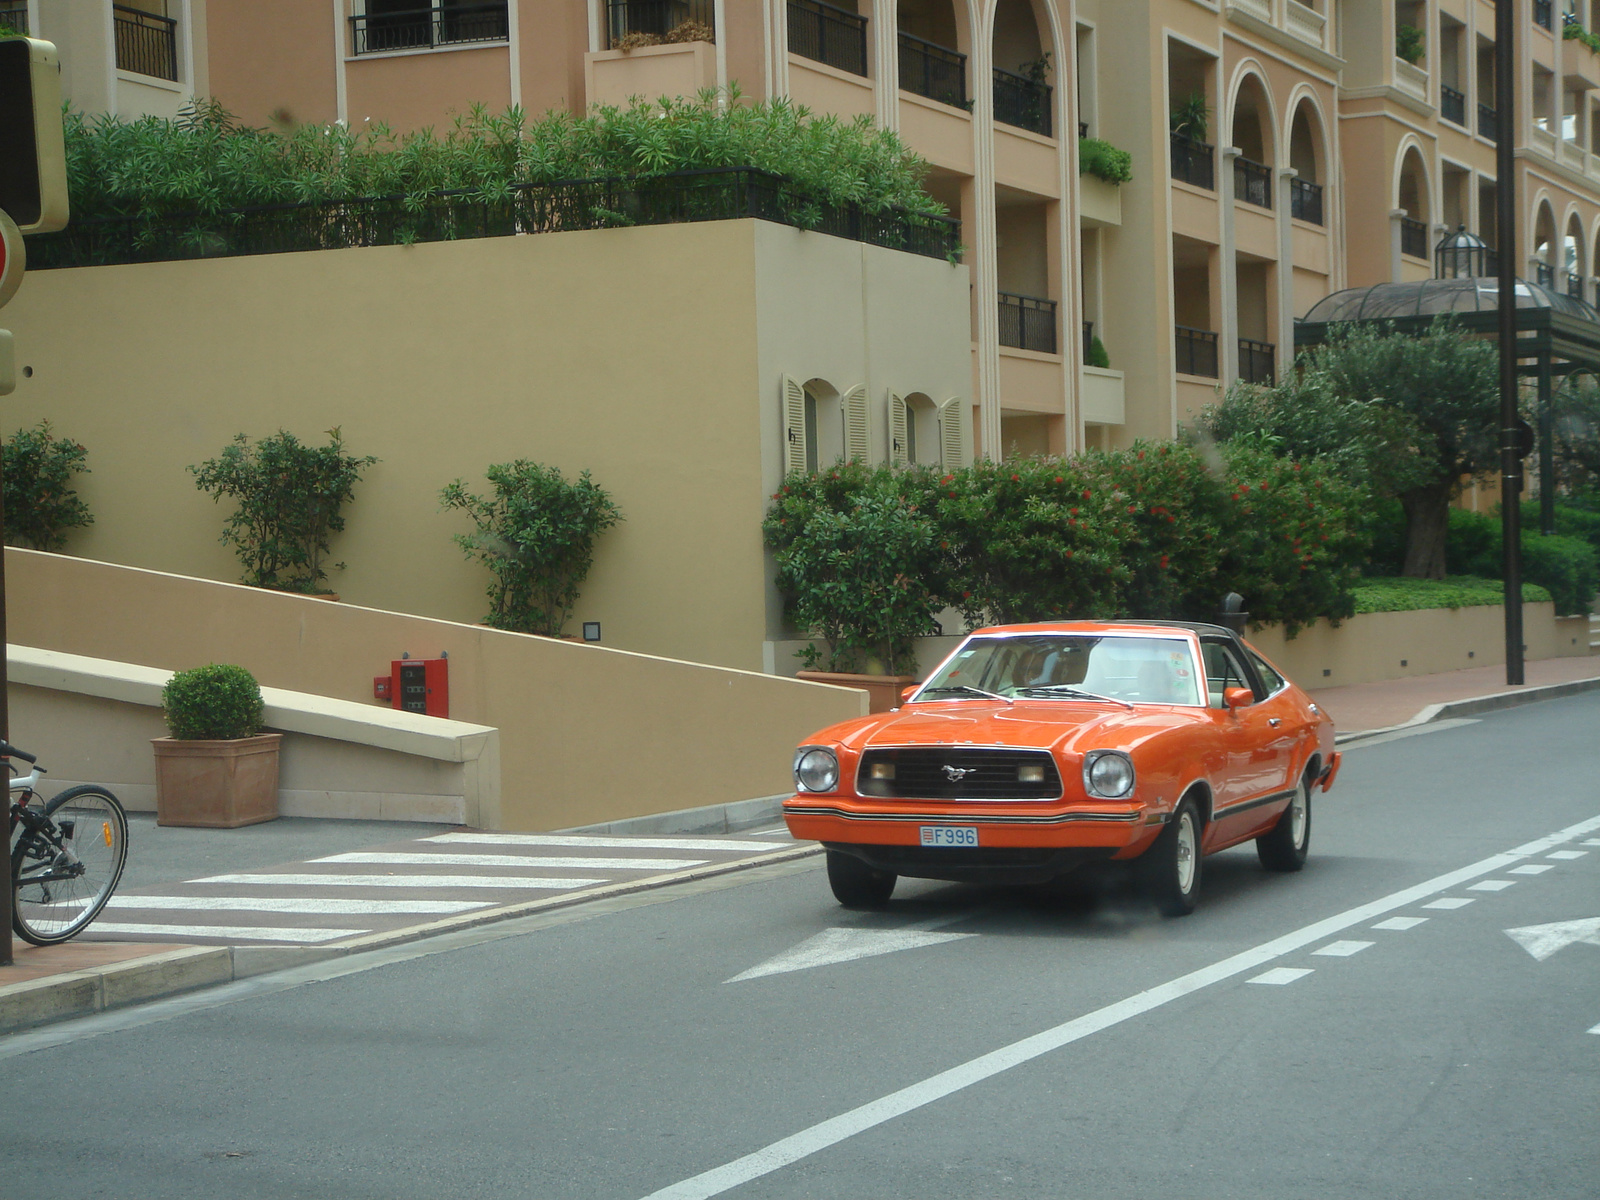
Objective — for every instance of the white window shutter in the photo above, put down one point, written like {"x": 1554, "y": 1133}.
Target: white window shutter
{"x": 857, "y": 426}
{"x": 955, "y": 434}
{"x": 794, "y": 425}
{"x": 899, "y": 445}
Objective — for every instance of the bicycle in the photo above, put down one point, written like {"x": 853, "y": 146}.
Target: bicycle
{"x": 67, "y": 854}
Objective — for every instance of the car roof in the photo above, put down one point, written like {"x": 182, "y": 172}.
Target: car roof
{"x": 1124, "y": 625}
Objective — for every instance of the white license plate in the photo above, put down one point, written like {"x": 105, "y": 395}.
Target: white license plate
{"x": 948, "y": 835}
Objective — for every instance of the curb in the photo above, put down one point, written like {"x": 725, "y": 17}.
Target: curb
{"x": 83, "y": 993}
{"x": 1480, "y": 704}
{"x": 734, "y": 817}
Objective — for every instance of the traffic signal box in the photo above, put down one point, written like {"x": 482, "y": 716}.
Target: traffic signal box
{"x": 419, "y": 685}
{"x": 33, "y": 161}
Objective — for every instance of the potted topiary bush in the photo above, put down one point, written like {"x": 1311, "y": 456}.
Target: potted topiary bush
{"x": 216, "y": 769}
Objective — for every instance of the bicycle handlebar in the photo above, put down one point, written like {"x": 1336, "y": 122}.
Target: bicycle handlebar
{"x": 7, "y": 750}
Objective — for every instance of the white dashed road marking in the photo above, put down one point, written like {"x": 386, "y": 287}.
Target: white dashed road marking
{"x": 1342, "y": 949}
{"x": 1279, "y": 976}
{"x": 282, "y": 878}
{"x": 233, "y": 933}
{"x": 607, "y": 843}
{"x": 1531, "y": 869}
{"x": 369, "y": 857}
{"x": 1491, "y": 885}
{"x": 294, "y": 904}
{"x": 1448, "y": 902}
{"x": 1568, "y": 855}
{"x": 1401, "y": 923}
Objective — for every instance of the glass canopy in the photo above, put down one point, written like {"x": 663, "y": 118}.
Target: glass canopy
{"x": 1429, "y": 296}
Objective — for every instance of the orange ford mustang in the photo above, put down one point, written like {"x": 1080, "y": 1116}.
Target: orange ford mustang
{"x": 1034, "y": 749}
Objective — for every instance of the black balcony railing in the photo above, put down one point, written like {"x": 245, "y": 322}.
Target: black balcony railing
{"x": 1196, "y": 352}
{"x": 826, "y": 34}
{"x": 1022, "y": 102}
{"x": 1083, "y": 129}
{"x": 1544, "y": 275}
{"x": 1413, "y": 238}
{"x": 655, "y": 18}
{"x": 717, "y": 194}
{"x": 933, "y": 71}
{"x": 1252, "y": 182}
{"x": 1491, "y": 262}
{"x": 422, "y": 28}
{"x": 1488, "y": 120}
{"x": 1541, "y": 13}
{"x": 1574, "y": 286}
{"x": 1194, "y": 162}
{"x": 1088, "y": 338}
{"x": 146, "y": 44}
{"x": 1305, "y": 201}
{"x": 1027, "y": 323}
{"x": 1452, "y": 105}
{"x": 1257, "y": 361}
{"x": 14, "y": 16}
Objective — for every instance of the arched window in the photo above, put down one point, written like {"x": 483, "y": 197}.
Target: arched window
{"x": 1251, "y": 132}
{"x": 1415, "y": 199}
{"x": 1306, "y": 157}
{"x": 1022, "y": 68}
{"x": 1544, "y": 246}
{"x": 932, "y": 62}
{"x": 824, "y": 424}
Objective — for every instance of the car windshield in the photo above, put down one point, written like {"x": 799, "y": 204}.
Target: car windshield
{"x": 1069, "y": 666}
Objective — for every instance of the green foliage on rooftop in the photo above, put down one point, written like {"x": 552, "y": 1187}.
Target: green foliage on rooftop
{"x": 208, "y": 162}
{"x": 1399, "y": 594}
{"x": 1104, "y": 161}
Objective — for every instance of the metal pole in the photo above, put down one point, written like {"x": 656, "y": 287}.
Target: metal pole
{"x": 1505, "y": 85}
{"x": 6, "y": 894}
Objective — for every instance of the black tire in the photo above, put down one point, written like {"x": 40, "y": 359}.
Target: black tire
{"x": 1170, "y": 869}
{"x": 93, "y": 833}
{"x": 1285, "y": 845}
{"x": 856, "y": 885}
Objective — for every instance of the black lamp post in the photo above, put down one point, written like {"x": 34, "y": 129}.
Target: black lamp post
{"x": 1505, "y": 84}
{"x": 1461, "y": 255}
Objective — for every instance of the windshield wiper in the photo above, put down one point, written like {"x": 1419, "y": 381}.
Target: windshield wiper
{"x": 1066, "y": 689}
{"x": 967, "y": 687}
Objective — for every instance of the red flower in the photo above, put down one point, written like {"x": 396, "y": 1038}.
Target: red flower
{"x": 1244, "y": 487}
{"x": 1016, "y": 479}
{"x": 966, "y": 595}
{"x": 1069, "y": 553}
{"x": 1133, "y": 508}
{"x": 952, "y": 495}
{"x": 1086, "y": 494}
{"x": 948, "y": 479}
{"x": 1074, "y": 512}
{"x": 1058, "y": 479}
{"x": 1141, "y": 456}
{"x": 1163, "y": 562}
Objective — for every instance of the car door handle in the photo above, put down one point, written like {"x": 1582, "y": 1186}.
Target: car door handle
{"x": 1274, "y": 722}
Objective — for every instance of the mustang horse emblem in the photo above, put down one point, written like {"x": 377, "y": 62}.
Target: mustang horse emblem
{"x": 957, "y": 774}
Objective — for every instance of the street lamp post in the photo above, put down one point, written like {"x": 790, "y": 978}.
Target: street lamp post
{"x": 1506, "y": 233}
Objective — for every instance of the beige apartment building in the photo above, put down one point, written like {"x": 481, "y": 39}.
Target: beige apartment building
{"x": 1339, "y": 141}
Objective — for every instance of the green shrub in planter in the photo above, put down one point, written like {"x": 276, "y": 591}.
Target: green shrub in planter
{"x": 41, "y": 505}
{"x": 213, "y": 703}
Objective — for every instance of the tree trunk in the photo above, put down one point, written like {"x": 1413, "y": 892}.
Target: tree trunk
{"x": 1427, "y": 524}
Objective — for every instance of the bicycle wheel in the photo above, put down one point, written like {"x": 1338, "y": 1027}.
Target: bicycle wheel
{"x": 65, "y": 875}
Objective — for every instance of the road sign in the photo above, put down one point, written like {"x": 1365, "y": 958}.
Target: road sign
{"x": 33, "y": 160}
{"x": 13, "y": 258}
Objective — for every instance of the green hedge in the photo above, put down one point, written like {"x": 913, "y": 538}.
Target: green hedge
{"x": 1397, "y": 594}
{"x": 1104, "y": 161}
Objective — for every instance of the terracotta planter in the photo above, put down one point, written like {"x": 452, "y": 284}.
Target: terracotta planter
{"x": 883, "y": 691}
{"x": 217, "y": 785}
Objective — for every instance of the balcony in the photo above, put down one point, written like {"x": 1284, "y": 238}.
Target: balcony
{"x": 1027, "y": 323}
{"x": 933, "y": 71}
{"x": 1306, "y": 23}
{"x": 1574, "y": 285}
{"x": 649, "y": 22}
{"x": 1196, "y": 352}
{"x": 1452, "y": 105}
{"x": 1413, "y": 238}
{"x": 1544, "y": 275}
{"x": 1194, "y": 162}
{"x": 1487, "y": 120}
{"x": 425, "y": 28}
{"x": 1257, "y": 362}
{"x": 1541, "y": 14}
{"x": 1022, "y": 102}
{"x": 1252, "y": 182}
{"x": 1305, "y": 201}
{"x": 14, "y": 15}
{"x": 146, "y": 44}
{"x": 832, "y": 36}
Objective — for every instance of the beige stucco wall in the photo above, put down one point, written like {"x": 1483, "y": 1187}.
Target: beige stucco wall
{"x": 586, "y": 734}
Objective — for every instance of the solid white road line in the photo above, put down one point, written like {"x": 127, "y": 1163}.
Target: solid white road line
{"x": 517, "y": 860}
{"x": 1449, "y": 902}
{"x": 573, "y": 840}
{"x": 234, "y": 933}
{"x": 1491, "y": 885}
{"x": 1343, "y": 949}
{"x": 293, "y": 904}
{"x": 530, "y": 882}
{"x": 1279, "y": 976}
{"x": 1401, "y": 923}
{"x": 918, "y": 1095}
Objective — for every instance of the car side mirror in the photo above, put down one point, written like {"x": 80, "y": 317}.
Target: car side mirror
{"x": 907, "y": 692}
{"x": 1237, "y": 698}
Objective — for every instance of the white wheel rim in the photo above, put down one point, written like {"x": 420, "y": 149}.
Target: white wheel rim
{"x": 1299, "y": 814}
{"x": 1185, "y": 853}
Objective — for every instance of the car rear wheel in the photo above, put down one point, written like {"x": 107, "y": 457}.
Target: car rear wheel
{"x": 1170, "y": 869}
{"x": 1285, "y": 845}
{"x": 856, "y": 885}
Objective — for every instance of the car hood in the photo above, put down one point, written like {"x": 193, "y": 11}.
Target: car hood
{"x": 1066, "y": 726}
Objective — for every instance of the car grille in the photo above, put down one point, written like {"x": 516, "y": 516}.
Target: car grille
{"x": 919, "y": 773}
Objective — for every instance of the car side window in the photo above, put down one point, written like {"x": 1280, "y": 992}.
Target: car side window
{"x": 1222, "y": 672}
{"x": 1273, "y": 682}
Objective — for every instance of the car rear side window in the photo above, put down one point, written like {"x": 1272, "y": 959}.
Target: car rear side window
{"x": 1223, "y": 671}
{"x": 1270, "y": 679}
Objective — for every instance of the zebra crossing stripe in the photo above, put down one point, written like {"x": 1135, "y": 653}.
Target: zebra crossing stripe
{"x": 292, "y": 904}
{"x": 525, "y": 882}
{"x": 514, "y": 860}
{"x": 577, "y": 840}
{"x": 235, "y": 933}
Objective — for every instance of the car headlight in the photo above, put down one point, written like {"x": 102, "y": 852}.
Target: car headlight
{"x": 816, "y": 769}
{"x": 1108, "y": 774}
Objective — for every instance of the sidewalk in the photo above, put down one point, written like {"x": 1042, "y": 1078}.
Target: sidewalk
{"x": 86, "y": 976}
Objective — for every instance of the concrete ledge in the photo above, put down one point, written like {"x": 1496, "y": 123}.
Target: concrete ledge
{"x": 713, "y": 818}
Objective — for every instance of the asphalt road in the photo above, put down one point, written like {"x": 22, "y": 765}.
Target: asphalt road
{"x": 981, "y": 1043}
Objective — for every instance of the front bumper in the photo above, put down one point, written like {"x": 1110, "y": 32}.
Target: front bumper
{"x": 837, "y": 820}
{"x": 981, "y": 865}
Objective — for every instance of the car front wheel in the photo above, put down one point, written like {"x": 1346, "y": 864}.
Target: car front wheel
{"x": 1171, "y": 867}
{"x": 856, "y": 885}
{"x": 1285, "y": 845}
